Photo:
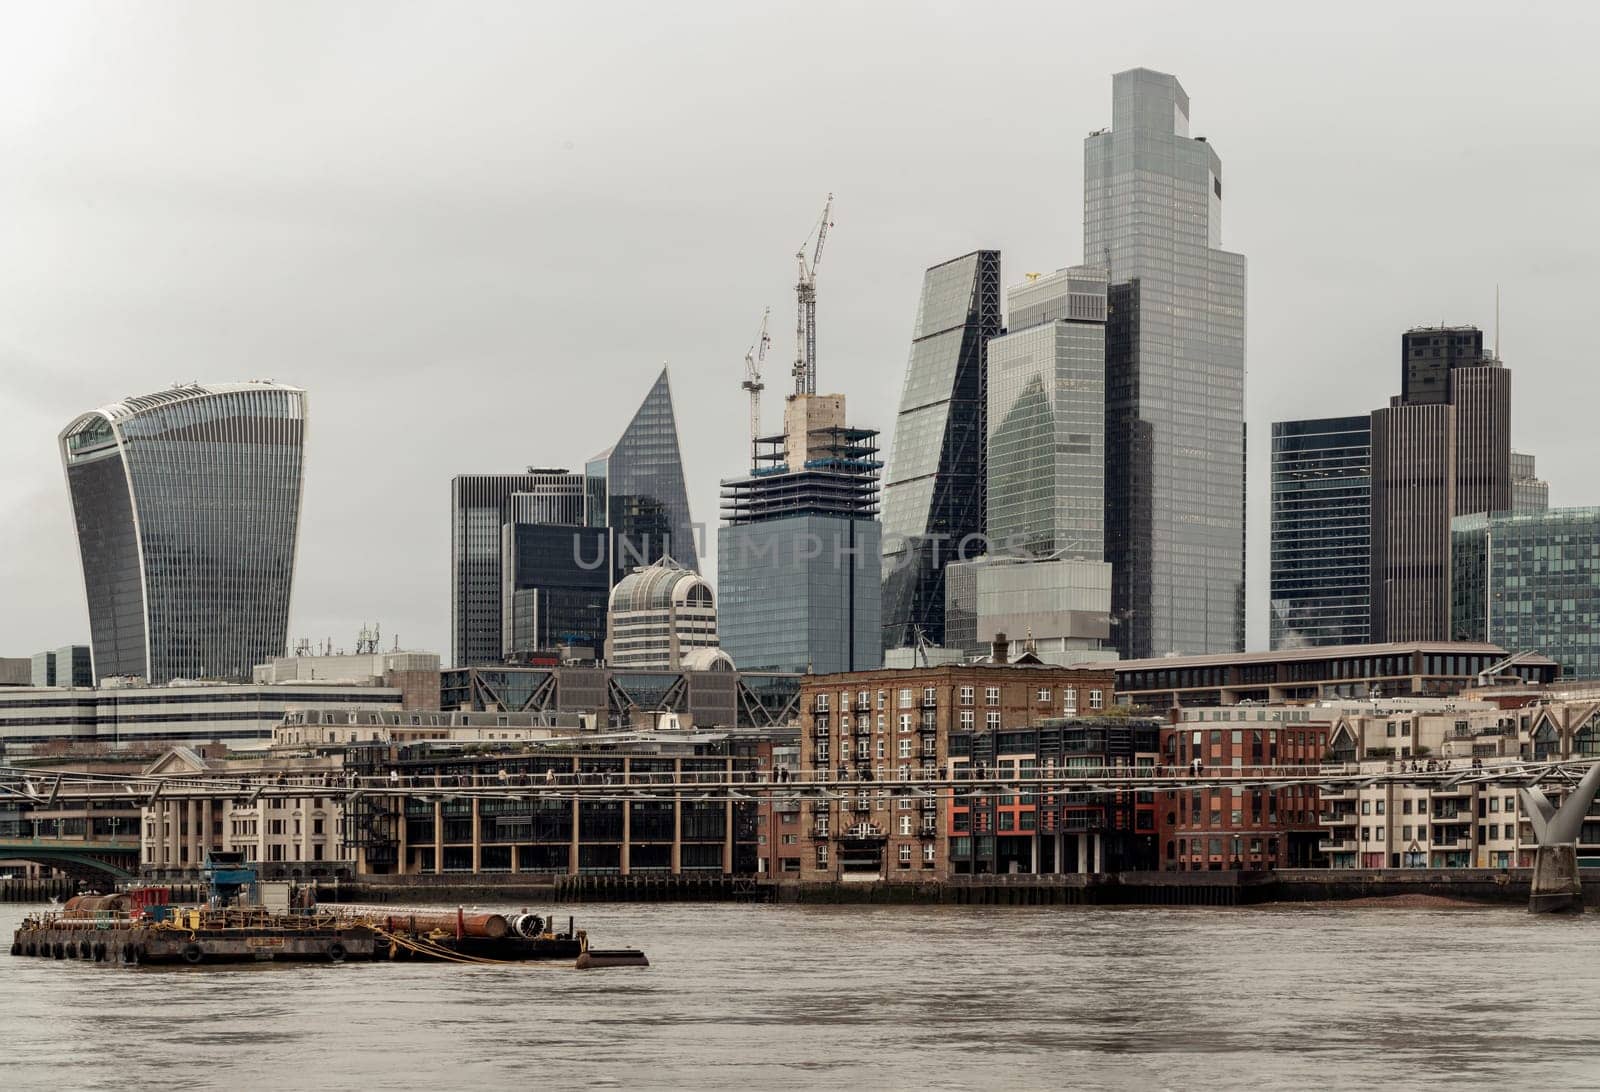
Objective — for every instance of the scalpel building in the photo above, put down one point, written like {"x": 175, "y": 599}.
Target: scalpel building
{"x": 187, "y": 507}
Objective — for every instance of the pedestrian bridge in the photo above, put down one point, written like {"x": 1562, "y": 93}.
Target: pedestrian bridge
{"x": 114, "y": 857}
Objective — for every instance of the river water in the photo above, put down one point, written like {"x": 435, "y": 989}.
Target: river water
{"x": 750, "y": 997}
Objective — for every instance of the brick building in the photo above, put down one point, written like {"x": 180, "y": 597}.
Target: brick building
{"x": 890, "y": 724}
{"x": 1243, "y": 828}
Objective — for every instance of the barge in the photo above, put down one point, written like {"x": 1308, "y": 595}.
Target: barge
{"x": 243, "y": 920}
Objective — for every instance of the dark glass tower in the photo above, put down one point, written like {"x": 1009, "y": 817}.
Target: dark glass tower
{"x": 935, "y": 491}
{"x": 478, "y": 508}
{"x": 187, "y": 505}
{"x": 1321, "y": 531}
{"x": 636, "y": 487}
{"x": 1175, "y": 371}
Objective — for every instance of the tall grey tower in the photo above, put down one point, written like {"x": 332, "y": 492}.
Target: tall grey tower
{"x": 187, "y": 506}
{"x": 1152, "y": 218}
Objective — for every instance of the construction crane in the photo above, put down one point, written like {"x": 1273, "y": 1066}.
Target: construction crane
{"x": 754, "y": 357}
{"x": 805, "y": 327}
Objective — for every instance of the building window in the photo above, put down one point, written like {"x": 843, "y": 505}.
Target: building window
{"x": 1096, "y": 699}
{"x": 927, "y": 853}
{"x": 905, "y": 828}
{"x": 822, "y": 856}
{"x": 966, "y": 719}
{"x": 991, "y": 695}
{"x": 1044, "y": 693}
{"x": 905, "y": 853}
{"x": 822, "y": 703}
{"x": 1069, "y": 699}
{"x": 966, "y": 695}
{"x": 905, "y": 722}
{"x": 928, "y": 695}
{"x": 993, "y": 721}
{"x": 905, "y": 748}
{"x": 905, "y": 699}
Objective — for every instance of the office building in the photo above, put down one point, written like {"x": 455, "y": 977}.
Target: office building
{"x": 557, "y": 581}
{"x": 1321, "y": 532}
{"x": 477, "y": 546}
{"x": 1402, "y": 669}
{"x": 1528, "y": 492}
{"x": 187, "y": 508}
{"x": 663, "y": 616}
{"x": 1046, "y": 413}
{"x": 1530, "y": 581}
{"x": 799, "y": 558}
{"x": 1441, "y": 449}
{"x": 70, "y": 665}
{"x": 414, "y": 674}
{"x": 142, "y": 718}
{"x": 1174, "y": 382}
{"x": 1056, "y": 608}
{"x": 935, "y": 486}
{"x": 636, "y": 488}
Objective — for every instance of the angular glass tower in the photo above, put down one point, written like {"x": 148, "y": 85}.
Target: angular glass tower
{"x": 1152, "y": 219}
{"x": 187, "y": 506}
{"x": 1321, "y": 531}
{"x": 934, "y": 496}
{"x": 636, "y": 487}
{"x": 1047, "y": 412}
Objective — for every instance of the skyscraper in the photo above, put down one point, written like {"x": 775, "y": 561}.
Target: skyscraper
{"x": 1442, "y": 448}
{"x": 555, "y": 571}
{"x": 1047, "y": 408}
{"x": 934, "y": 496}
{"x": 477, "y": 516}
{"x": 1321, "y": 531}
{"x": 799, "y": 559}
{"x": 1174, "y": 373}
{"x": 187, "y": 506}
{"x": 1529, "y": 493}
{"x": 636, "y": 487}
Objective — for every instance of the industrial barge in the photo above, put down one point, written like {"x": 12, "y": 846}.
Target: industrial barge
{"x": 245, "y": 920}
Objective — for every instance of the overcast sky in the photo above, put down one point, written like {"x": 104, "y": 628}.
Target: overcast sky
{"x": 474, "y": 231}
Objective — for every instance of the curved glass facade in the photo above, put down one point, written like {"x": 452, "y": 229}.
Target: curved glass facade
{"x": 187, "y": 506}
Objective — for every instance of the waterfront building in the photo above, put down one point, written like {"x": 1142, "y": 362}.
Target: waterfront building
{"x": 1252, "y": 829}
{"x": 799, "y": 558}
{"x": 887, "y": 725}
{"x": 1321, "y": 580}
{"x": 142, "y": 718}
{"x": 1059, "y": 606}
{"x": 1046, "y": 414}
{"x": 636, "y": 488}
{"x": 1528, "y": 492}
{"x": 1442, "y": 448}
{"x": 1530, "y": 580}
{"x": 935, "y": 486}
{"x": 70, "y": 665}
{"x": 663, "y": 616}
{"x": 1053, "y": 832}
{"x": 1174, "y": 378}
{"x": 187, "y": 509}
{"x": 1401, "y": 669}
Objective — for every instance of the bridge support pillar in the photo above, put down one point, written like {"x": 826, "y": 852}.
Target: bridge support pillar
{"x": 1555, "y": 888}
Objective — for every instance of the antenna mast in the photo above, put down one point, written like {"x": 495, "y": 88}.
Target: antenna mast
{"x": 754, "y": 357}
{"x": 805, "y": 290}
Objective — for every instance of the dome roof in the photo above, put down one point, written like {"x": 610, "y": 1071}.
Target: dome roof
{"x": 661, "y": 586}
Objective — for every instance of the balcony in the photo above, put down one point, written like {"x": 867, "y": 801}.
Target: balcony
{"x": 1337, "y": 818}
{"x": 930, "y": 703}
{"x": 820, "y": 832}
{"x": 1451, "y": 843}
{"x": 1338, "y": 845}
{"x": 928, "y": 830}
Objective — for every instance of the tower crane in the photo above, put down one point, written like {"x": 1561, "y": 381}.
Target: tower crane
{"x": 805, "y": 290}
{"x": 754, "y": 357}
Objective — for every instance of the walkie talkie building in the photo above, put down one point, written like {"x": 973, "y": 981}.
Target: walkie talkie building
{"x": 187, "y": 507}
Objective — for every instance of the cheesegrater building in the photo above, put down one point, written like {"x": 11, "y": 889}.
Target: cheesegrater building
{"x": 187, "y": 509}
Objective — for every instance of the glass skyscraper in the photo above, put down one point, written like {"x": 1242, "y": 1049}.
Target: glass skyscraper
{"x": 1321, "y": 531}
{"x": 1046, "y": 483}
{"x": 1530, "y": 581}
{"x": 478, "y": 511}
{"x": 187, "y": 506}
{"x": 1174, "y": 374}
{"x": 636, "y": 487}
{"x": 935, "y": 490}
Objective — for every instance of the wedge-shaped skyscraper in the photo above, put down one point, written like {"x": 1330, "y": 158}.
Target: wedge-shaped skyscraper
{"x": 934, "y": 493}
{"x": 187, "y": 505}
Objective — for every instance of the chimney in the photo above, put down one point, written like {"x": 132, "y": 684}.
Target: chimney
{"x": 1001, "y": 649}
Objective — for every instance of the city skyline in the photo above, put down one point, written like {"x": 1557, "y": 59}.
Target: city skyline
{"x": 360, "y": 475}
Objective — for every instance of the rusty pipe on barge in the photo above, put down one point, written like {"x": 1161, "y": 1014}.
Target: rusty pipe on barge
{"x": 400, "y": 918}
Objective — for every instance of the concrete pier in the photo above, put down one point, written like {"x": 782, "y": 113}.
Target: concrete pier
{"x": 1554, "y": 886}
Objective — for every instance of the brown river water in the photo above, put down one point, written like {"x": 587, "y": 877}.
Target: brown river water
{"x": 753, "y": 997}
